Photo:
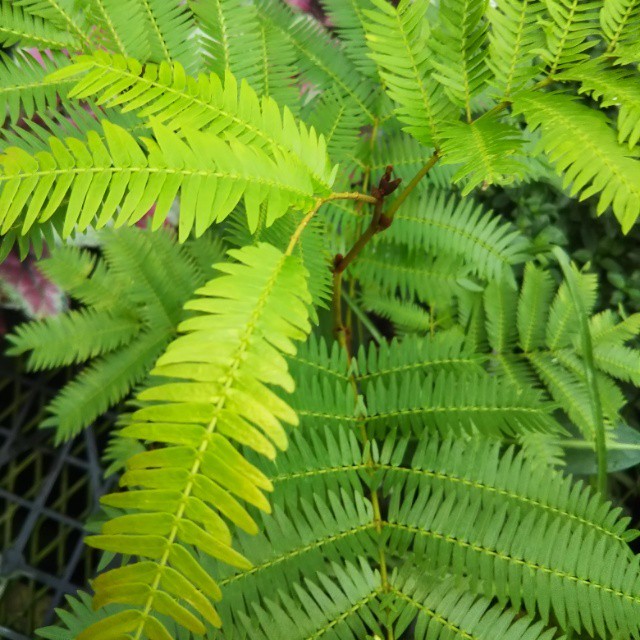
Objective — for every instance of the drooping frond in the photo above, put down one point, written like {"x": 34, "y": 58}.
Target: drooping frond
{"x": 500, "y": 309}
{"x": 449, "y": 403}
{"x": 219, "y": 397}
{"x": 339, "y": 121}
{"x": 26, "y": 29}
{"x": 533, "y": 340}
{"x": 62, "y": 14}
{"x": 486, "y": 151}
{"x": 533, "y": 307}
{"x": 121, "y": 27}
{"x": 125, "y": 322}
{"x": 443, "y": 351}
{"x": 183, "y": 103}
{"x": 25, "y": 87}
{"x": 515, "y": 38}
{"x": 620, "y": 23}
{"x": 561, "y": 328}
{"x": 211, "y": 176}
{"x": 390, "y": 268}
{"x": 277, "y": 67}
{"x": 170, "y": 29}
{"x": 460, "y": 41}
{"x": 406, "y": 317}
{"x": 612, "y": 87}
{"x": 230, "y": 38}
{"x": 92, "y": 333}
{"x": 398, "y": 37}
{"x": 349, "y": 19}
{"x": 570, "y": 32}
{"x": 445, "y": 225}
{"x": 319, "y": 59}
{"x": 585, "y": 151}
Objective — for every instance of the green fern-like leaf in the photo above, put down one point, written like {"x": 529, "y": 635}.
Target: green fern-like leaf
{"x": 211, "y": 176}
{"x": 317, "y": 488}
{"x": 612, "y": 87}
{"x": 406, "y": 317}
{"x": 619, "y": 22}
{"x": 62, "y": 14}
{"x": 124, "y": 326}
{"x": 220, "y": 397}
{"x": 398, "y": 40}
{"x": 459, "y": 41}
{"x": 26, "y": 29}
{"x": 182, "y": 103}
{"x": 121, "y": 27}
{"x": 25, "y": 87}
{"x": 339, "y": 121}
{"x": 444, "y": 225}
{"x": 570, "y": 31}
{"x": 486, "y": 151}
{"x": 568, "y": 128}
{"x": 231, "y": 38}
{"x": 170, "y": 29}
{"x": 515, "y": 38}
{"x": 318, "y": 59}
{"x": 349, "y": 18}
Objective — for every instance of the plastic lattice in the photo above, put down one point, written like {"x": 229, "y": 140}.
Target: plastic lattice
{"x": 46, "y": 495}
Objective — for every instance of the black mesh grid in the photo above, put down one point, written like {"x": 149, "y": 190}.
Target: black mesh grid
{"x": 46, "y": 495}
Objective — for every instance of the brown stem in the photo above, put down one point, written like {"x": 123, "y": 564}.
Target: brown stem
{"x": 501, "y": 106}
{"x": 404, "y": 194}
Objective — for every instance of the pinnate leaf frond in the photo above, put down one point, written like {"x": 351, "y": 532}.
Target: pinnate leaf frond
{"x": 568, "y": 130}
{"x": 218, "y": 399}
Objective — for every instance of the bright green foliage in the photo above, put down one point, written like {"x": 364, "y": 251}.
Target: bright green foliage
{"x": 123, "y": 325}
{"x": 211, "y": 176}
{"x": 612, "y": 87}
{"x": 619, "y": 22}
{"x": 461, "y": 47}
{"x": 515, "y": 37}
{"x": 418, "y": 497}
{"x": 61, "y": 14}
{"x": 17, "y": 25}
{"x": 25, "y": 87}
{"x": 218, "y": 396}
{"x": 569, "y": 28}
{"x": 584, "y": 149}
{"x": 534, "y": 337}
{"x": 398, "y": 39}
{"x": 121, "y": 26}
{"x": 164, "y": 94}
{"x": 486, "y": 152}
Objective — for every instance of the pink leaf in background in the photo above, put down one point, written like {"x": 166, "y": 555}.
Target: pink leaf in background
{"x": 24, "y": 287}
{"x": 303, "y": 5}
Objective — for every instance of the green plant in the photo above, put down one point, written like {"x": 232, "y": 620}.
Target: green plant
{"x": 417, "y": 495}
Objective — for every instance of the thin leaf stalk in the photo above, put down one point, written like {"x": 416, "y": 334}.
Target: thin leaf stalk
{"x": 589, "y": 370}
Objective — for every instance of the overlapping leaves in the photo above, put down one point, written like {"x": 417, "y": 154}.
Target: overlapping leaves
{"x": 216, "y": 397}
